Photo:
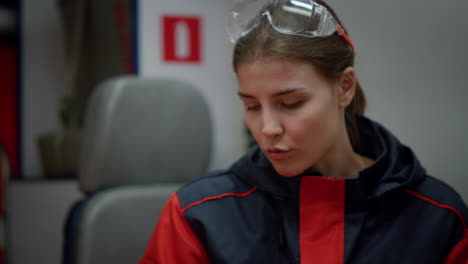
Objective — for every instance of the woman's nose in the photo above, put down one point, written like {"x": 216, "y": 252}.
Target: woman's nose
{"x": 271, "y": 125}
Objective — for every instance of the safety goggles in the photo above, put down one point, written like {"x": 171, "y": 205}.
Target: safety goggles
{"x": 293, "y": 17}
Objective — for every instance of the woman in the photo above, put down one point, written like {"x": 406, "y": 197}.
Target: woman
{"x": 325, "y": 184}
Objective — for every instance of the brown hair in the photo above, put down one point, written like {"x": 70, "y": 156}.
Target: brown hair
{"x": 330, "y": 56}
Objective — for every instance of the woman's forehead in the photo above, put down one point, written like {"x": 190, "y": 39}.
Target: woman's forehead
{"x": 277, "y": 75}
{"x": 278, "y": 62}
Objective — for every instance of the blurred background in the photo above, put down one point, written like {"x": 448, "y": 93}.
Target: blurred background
{"x": 410, "y": 60}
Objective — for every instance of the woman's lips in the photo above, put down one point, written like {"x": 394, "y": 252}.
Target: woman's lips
{"x": 277, "y": 153}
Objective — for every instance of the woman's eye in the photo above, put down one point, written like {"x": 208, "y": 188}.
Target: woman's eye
{"x": 293, "y": 105}
{"x": 252, "y": 107}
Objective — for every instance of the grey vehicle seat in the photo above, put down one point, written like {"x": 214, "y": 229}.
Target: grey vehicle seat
{"x": 142, "y": 139}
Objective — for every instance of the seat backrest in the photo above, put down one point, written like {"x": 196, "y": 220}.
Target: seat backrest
{"x": 144, "y": 131}
{"x": 116, "y": 224}
{"x": 142, "y": 140}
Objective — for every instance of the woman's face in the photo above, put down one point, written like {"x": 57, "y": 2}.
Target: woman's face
{"x": 292, "y": 111}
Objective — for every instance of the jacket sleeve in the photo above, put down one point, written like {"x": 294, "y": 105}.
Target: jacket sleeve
{"x": 173, "y": 240}
{"x": 459, "y": 254}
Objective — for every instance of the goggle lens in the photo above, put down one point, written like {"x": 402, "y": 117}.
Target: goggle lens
{"x": 245, "y": 16}
{"x": 290, "y": 17}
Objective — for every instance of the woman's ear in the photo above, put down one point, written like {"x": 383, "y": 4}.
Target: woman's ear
{"x": 346, "y": 87}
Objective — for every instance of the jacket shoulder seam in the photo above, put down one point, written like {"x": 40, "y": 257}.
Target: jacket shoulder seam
{"x": 448, "y": 207}
{"x": 220, "y": 196}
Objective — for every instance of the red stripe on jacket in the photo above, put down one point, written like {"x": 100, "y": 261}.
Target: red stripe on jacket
{"x": 173, "y": 240}
{"x": 219, "y": 197}
{"x": 459, "y": 254}
{"x": 322, "y": 220}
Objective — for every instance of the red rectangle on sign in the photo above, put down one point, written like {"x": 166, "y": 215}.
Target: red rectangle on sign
{"x": 181, "y": 39}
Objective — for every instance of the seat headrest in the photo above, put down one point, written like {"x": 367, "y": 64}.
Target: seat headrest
{"x": 141, "y": 131}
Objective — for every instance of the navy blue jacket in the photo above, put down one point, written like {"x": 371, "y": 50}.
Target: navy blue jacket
{"x": 392, "y": 212}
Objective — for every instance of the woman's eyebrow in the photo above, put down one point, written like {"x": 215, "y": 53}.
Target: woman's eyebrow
{"x": 241, "y": 94}
{"x": 288, "y": 91}
{"x": 280, "y": 93}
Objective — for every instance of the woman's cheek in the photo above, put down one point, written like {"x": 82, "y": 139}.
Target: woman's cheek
{"x": 254, "y": 127}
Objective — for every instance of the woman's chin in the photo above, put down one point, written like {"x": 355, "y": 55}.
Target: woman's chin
{"x": 287, "y": 171}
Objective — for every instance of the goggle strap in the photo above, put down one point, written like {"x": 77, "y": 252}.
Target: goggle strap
{"x": 345, "y": 36}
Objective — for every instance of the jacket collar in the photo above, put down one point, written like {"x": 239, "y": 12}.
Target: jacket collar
{"x": 395, "y": 167}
